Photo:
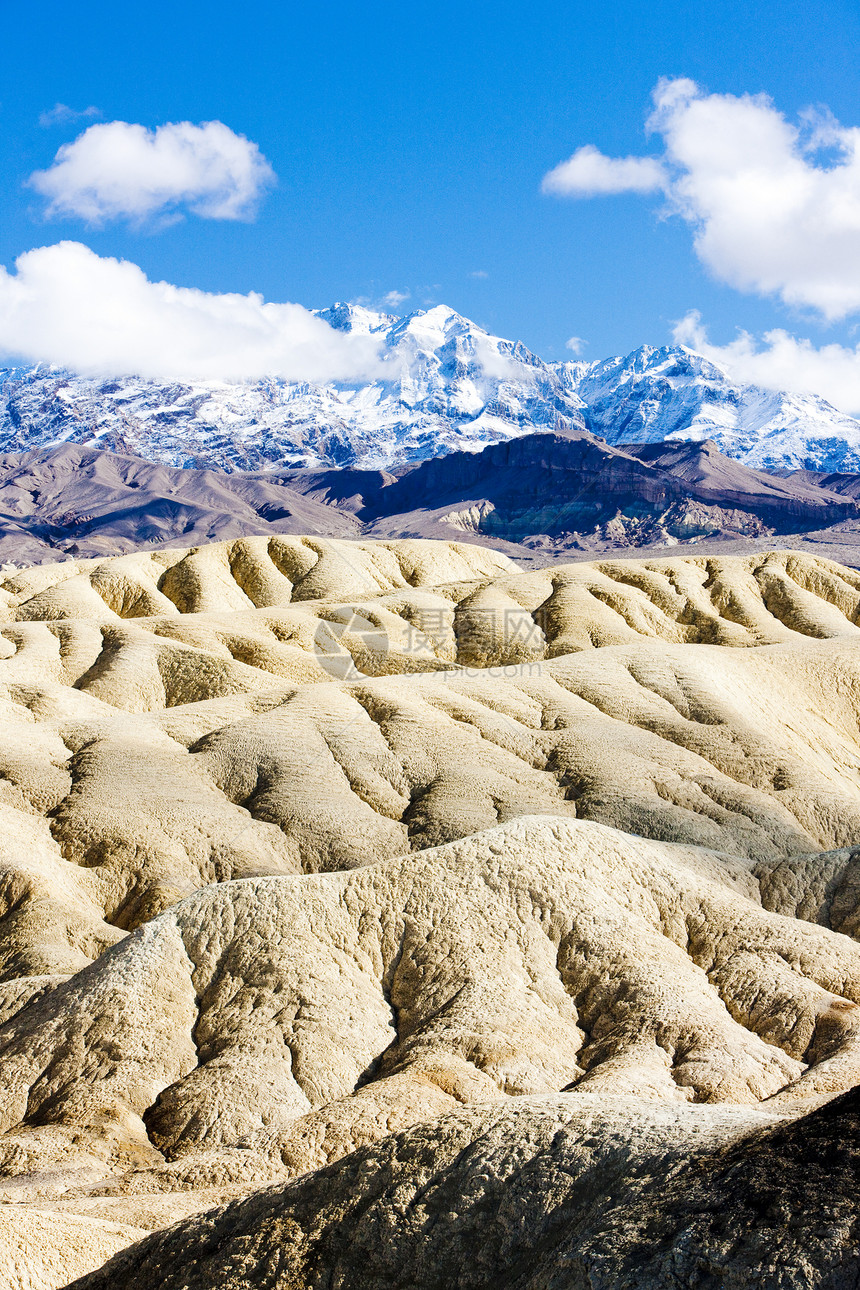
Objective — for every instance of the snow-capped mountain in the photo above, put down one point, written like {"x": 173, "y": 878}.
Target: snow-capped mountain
{"x": 449, "y": 386}
{"x": 673, "y": 393}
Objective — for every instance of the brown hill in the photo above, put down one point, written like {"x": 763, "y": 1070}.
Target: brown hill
{"x": 81, "y": 500}
{"x": 575, "y": 484}
{"x": 543, "y": 492}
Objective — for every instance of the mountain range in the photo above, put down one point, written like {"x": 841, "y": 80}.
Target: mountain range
{"x": 535, "y": 496}
{"x": 452, "y": 387}
{"x": 471, "y": 436}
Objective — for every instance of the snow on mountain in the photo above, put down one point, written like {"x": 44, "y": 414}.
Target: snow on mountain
{"x": 673, "y": 393}
{"x": 451, "y": 387}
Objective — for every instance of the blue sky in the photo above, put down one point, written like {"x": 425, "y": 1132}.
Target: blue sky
{"x": 410, "y": 142}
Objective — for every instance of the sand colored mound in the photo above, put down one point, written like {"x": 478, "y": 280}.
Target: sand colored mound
{"x": 279, "y": 1023}
{"x": 306, "y": 843}
{"x": 111, "y": 817}
{"x": 210, "y": 742}
{"x": 241, "y": 574}
{"x": 453, "y": 599}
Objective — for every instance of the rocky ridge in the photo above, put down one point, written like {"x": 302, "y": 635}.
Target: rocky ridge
{"x": 575, "y": 491}
{"x": 582, "y": 1197}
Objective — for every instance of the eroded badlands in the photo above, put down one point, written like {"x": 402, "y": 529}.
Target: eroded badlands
{"x": 553, "y": 876}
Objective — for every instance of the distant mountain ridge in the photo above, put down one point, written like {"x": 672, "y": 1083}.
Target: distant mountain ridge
{"x": 563, "y": 492}
{"x": 451, "y": 387}
{"x": 537, "y": 493}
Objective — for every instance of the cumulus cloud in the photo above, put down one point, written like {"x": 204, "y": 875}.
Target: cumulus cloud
{"x": 576, "y": 345}
{"x": 123, "y": 171}
{"x": 774, "y": 205}
{"x": 62, "y": 114}
{"x": 67, "y": 307}
{"x": 393, "y": 299}
{"x": 588, "y": 173}
{"x": 782, "y": 362}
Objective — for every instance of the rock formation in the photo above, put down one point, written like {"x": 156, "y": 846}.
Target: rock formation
{"x": 561, "y": 1193}
{"x": 504, "y": 924}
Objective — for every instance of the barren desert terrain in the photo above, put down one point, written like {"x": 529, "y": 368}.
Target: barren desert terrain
{"x": 378, "y": 913}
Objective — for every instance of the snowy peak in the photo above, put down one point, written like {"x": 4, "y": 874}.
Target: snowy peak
{"x": 673, "y": 393}
{"x": 433, "y": 328}
{"x": 447, "y": 385}
{"x": 355, "y": 318}
{"x": 674, "y": 366}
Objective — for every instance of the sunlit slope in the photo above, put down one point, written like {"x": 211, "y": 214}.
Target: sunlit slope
{"x": 449, "y": 601}
{"x": 295, "y": 1018}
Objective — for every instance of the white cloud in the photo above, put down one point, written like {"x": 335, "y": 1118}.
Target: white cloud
{"x": 576, "y": 345}
{"x": 62, "y": 114}
{"x": 782, "y": 362}
{"x": 589, "y": 174}
{"x": 495, "y": 365}
{"x": 394, "y": 299}
{"x": 123, "y": 171}
{"x": 70, "y": 308}
{"x": 479, "y": 273}
{"x": 775, "y": 206}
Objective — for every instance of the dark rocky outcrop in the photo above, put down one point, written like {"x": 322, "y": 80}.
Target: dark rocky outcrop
{"x": 564, "y": 484}
{"x": 541, "y": 1197}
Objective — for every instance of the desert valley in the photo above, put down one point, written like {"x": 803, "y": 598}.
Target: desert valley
{"x": 430, "y": 646}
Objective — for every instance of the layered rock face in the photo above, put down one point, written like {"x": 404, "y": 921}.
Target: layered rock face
{"x": 503, "y": 924}
{"x": 575, "y": 491}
